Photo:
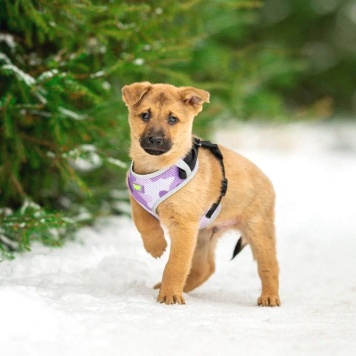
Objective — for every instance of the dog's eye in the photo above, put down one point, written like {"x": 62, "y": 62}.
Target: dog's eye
{"x": 145, "y": 116}
{"x": 172, "y": 120}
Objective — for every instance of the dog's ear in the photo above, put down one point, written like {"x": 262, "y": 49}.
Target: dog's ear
{"x": 194, "y": 97}
{"x": 133, "y": 93}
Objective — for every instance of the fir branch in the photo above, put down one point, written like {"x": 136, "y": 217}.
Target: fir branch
{"x": 39, "y": 141}
{"x": 30, "y": 223}
{"x": 18, "y": 186}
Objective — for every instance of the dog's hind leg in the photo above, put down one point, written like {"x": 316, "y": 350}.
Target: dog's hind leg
{"x": 203, "y": 263}
{"x": 260, "y": 234}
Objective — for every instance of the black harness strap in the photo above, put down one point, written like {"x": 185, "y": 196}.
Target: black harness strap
{"x": 214, "y": 149}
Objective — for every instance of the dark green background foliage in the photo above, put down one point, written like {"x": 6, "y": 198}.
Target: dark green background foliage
{"x": 322, "y": 35}
{"x": 63, "y": 127}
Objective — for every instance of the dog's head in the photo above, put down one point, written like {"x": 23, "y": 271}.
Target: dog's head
{"x": 161, "y": 118}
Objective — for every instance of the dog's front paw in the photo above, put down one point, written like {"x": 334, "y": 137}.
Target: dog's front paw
{"x": 269, "y": 300}
{"x": 155, "y": 247}
{"x": 170, "y": 298}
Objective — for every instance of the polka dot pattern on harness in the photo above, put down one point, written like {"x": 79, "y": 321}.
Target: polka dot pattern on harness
{"x": 147, "y": 191}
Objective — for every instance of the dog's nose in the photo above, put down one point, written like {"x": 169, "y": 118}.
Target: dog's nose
{"x": 155, "y": 140}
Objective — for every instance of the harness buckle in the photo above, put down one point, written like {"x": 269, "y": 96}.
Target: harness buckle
{"x": 182, "y": 173}
{"x": 197, "y": 142}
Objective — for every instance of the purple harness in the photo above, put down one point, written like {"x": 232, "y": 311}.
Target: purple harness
{"x": 150, "y": 190}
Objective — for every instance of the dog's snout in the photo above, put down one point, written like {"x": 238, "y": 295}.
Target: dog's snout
{"x": 155, "y": 143}
{"x": 155, "y": 140}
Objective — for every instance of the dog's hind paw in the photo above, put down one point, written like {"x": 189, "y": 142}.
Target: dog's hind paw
{"x": 269, "y": 301}
{"x": 170, "y": 299}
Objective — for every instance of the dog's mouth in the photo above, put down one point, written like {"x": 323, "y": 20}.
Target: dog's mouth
{"x": 154, "y": 152}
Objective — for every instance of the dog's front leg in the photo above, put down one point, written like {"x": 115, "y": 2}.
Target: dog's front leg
{"x": 183, "y": 242}
{"x": 150, "y": 230}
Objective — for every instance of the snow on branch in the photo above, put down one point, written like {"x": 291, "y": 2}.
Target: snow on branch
{"x": 71, "y": 114}
{"x": 19, "y": 74}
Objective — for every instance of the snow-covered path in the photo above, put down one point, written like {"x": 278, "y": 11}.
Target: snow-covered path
{"x": 94, "y": 296}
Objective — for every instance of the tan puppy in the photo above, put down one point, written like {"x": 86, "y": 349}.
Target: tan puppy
{"x": 161, "y": 118}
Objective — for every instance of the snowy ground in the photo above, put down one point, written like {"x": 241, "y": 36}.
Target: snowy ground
{"x": 94, "y": 296}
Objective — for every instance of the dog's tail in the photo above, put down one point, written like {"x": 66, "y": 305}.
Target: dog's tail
{"x": 239, "y": 246}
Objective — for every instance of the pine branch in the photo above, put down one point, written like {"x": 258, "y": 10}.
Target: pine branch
{"x": 29, "y": 223}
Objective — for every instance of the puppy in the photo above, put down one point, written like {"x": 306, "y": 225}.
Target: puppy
{"x": 163, "y": 150}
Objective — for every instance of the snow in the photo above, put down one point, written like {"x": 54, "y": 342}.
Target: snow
{"x": 8, "y": 39}
{"x": 98, "y": 74}
{"x": 117, "y": 162}
{"x": 47, "y": 75}
{"x": 21, "y": 75}
{"x": 84, "y": 158}
{"x": 71, "y": 114}
{"x": 94, "y": 296}
{"x": 139, "y": 61}
{"x": 5, "y": 58}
